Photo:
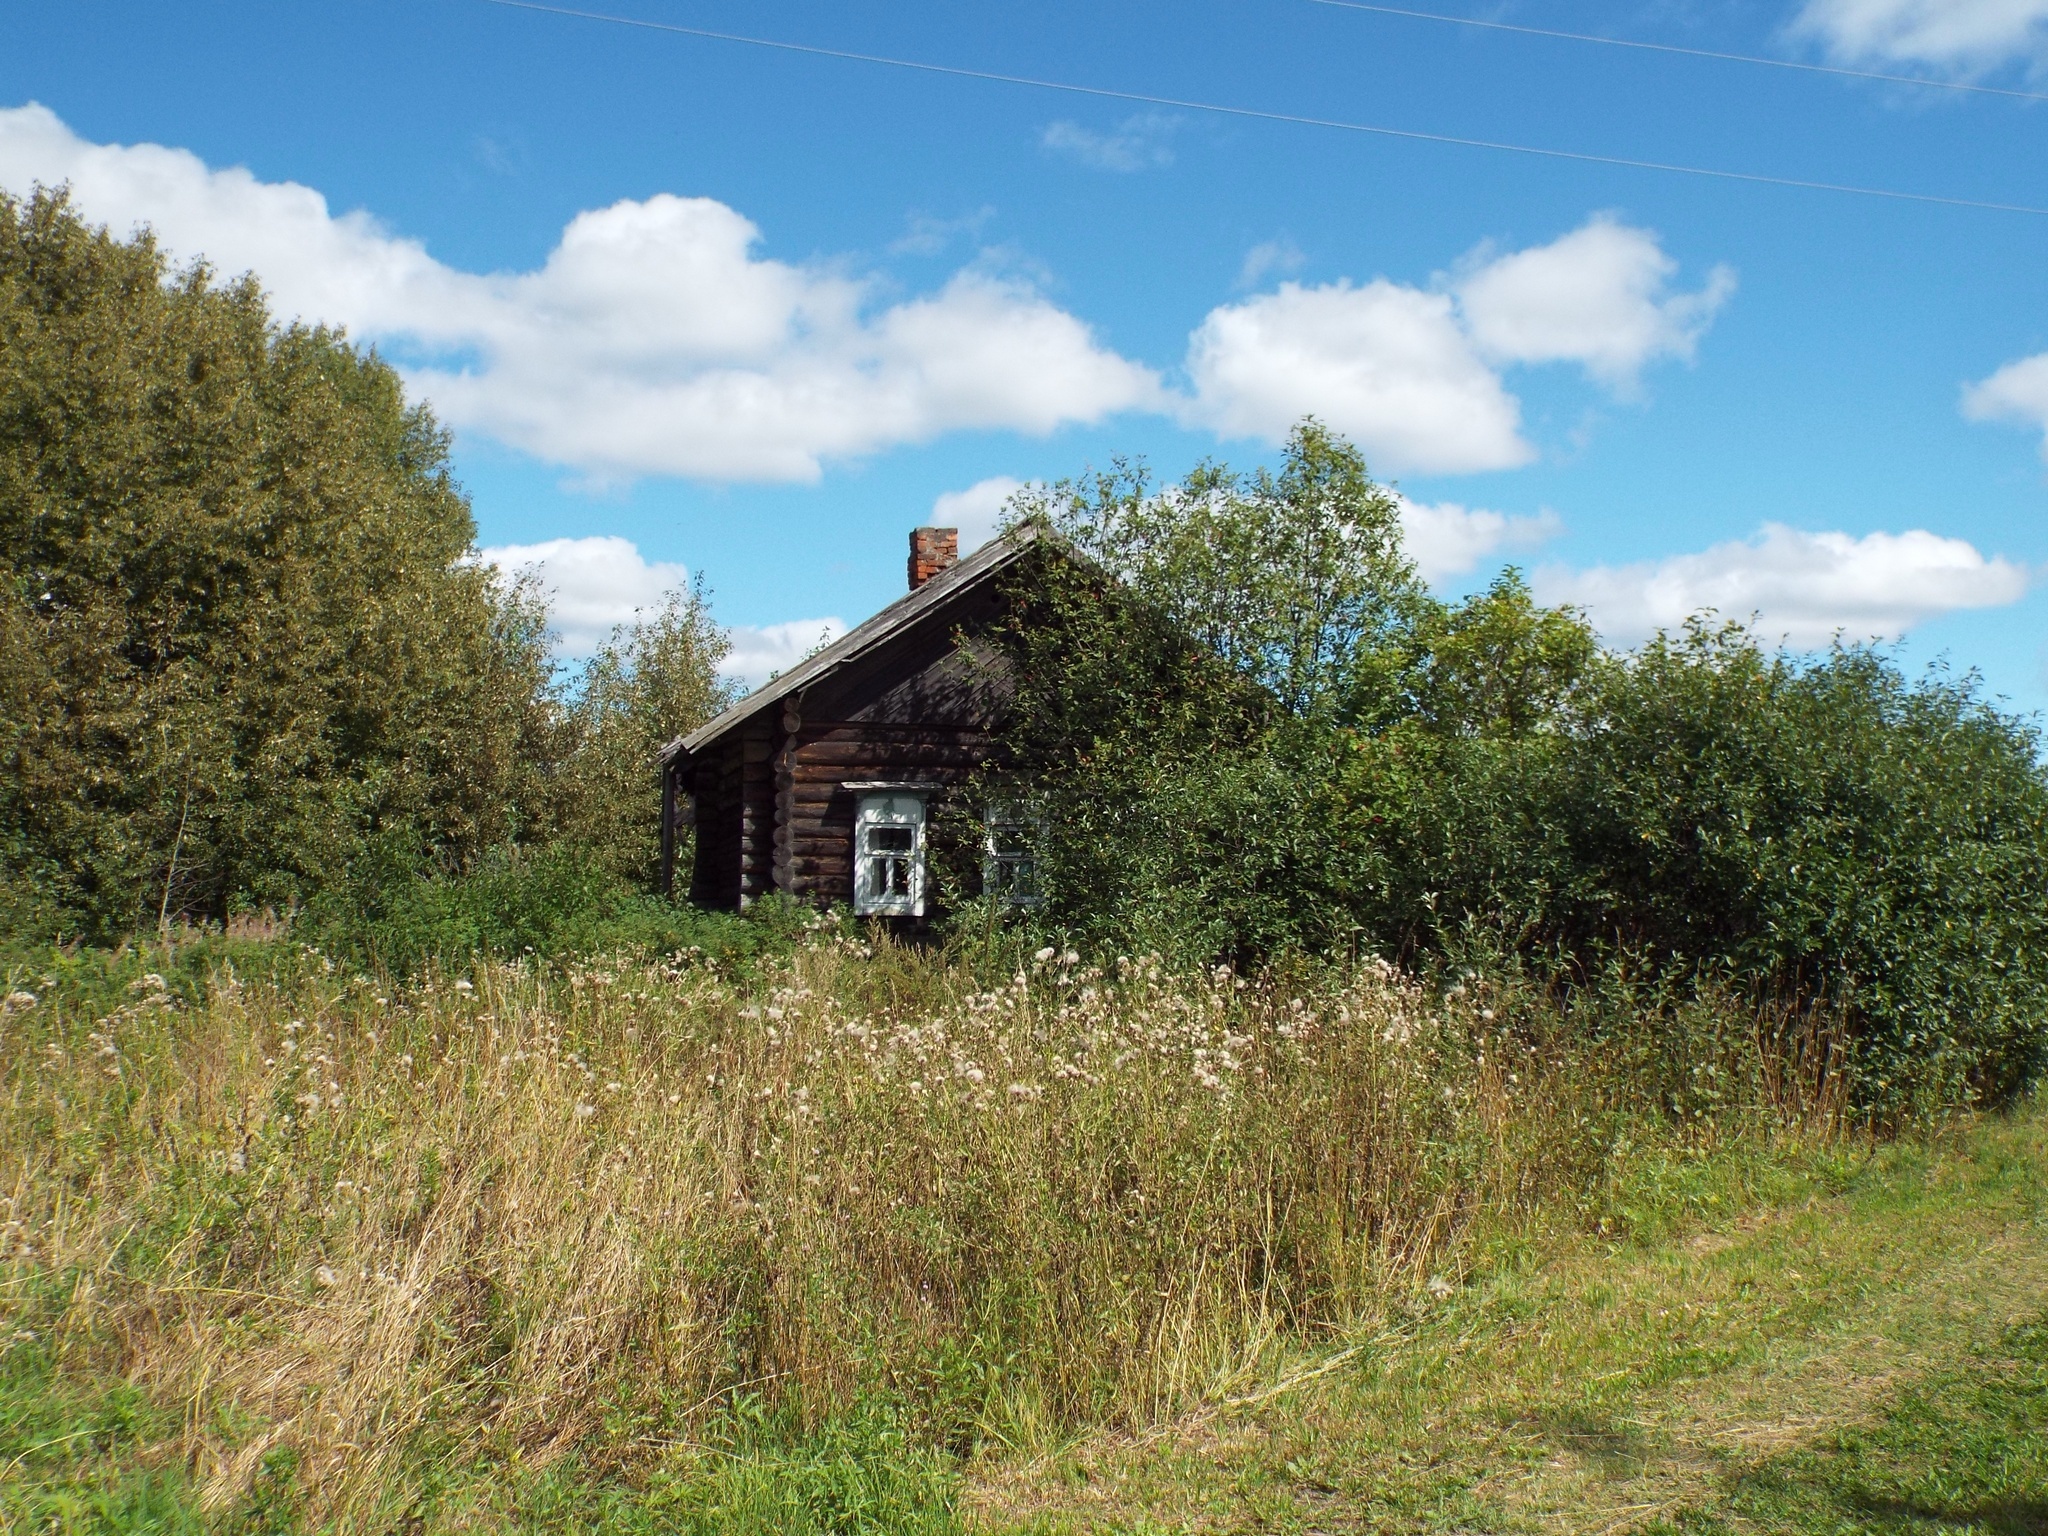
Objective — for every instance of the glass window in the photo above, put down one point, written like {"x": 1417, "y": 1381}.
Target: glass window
{"x": 888, "y": 855}
{"x": 1008, "y": 868}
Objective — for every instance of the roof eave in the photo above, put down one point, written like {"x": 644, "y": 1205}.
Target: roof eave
{"x": 890, "y": 622}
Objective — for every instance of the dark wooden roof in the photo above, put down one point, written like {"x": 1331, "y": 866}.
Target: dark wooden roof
{"x": 928, "y": 602}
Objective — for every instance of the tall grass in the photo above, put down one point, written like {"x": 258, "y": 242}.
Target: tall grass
{"x": 590, "y": 1213}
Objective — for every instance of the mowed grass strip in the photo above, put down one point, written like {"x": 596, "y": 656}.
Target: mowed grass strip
{"x": 1865, "y": 1353}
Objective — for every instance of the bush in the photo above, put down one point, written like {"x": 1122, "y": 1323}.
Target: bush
{"x": 1326, "y": 759}
{"x": 237, "y": 632}
{"x": 556, "y": 901}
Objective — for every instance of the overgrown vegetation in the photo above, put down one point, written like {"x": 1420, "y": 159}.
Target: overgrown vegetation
{"x": 247, "y": 659}
{"x": 554, "y": 1218}
{"x": 1247, "y": 730}
{"x": 378, "y": 1153}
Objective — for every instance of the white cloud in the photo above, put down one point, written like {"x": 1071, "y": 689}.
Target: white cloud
{"x": 652, "y": 341}
{"x": 1595, "y": 297}
{"x": 1962, "y": 36}
{"x": 1413, "y": 375}
{"x": 927, "y": 235}
{"x": 655, "y": 339}
{"x": 1385, "y": 365}
{"x": 758, "y": 652}
{"x": 975, "y": 511}
{"x": 2017, "y": 392}
{"x": 592, "y": 584}
{"x": 1445, "y": 539}
{"x": 1135, "y": 144}
{"x": 1802, "y": 587}
{"x": 1268, "y": 257}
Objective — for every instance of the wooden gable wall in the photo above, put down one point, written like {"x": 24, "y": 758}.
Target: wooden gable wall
{"x": 770, "y": 803}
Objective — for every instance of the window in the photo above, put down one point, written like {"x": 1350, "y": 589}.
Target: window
{"x": 888, "y": 854}
{"x": 1009, "y": 869}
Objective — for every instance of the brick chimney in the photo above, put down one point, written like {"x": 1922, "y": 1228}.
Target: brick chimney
{"x": 931, "y": 551}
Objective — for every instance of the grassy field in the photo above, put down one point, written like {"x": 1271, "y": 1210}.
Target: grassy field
{"x": 1867, "y": 1352}
{"x": 867, "y": 1241}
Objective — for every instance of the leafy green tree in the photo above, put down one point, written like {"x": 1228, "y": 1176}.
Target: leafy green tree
{"x": 1247, "y": 729}
{"x": 1180, "y": 658}
{"x": 654, "y": 679}
{"x": 240, "y": 635}
{"x": 1498, "y": 665}
{"x": 1294, "y": 580}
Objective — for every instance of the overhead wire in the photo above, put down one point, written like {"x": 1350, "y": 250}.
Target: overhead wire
{"x": 1695, "y": 53}
{"x": 1259, "y": 114}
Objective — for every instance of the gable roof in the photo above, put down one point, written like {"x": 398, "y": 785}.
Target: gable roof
{"x": 906, "y": 612}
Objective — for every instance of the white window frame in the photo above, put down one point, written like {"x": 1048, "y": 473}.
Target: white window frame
{"x": 1000, "y": 869}
{"x": 889, "y": 807}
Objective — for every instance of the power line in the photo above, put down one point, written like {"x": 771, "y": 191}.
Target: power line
{"x": 1257, "y": 114}
{"x": 1695, "y": 53}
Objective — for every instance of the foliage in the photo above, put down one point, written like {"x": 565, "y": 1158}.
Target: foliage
{"x": 237, "y": 630}
{"x": 1288, "y": 579}
{"x": 1247, "y": 730}
{"x": 247, "y": 657}
{"x": 653, "y": 680}
{"x": 556, "y": 901}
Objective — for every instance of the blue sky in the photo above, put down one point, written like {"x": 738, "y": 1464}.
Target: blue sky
{"x": 696, "y": 305}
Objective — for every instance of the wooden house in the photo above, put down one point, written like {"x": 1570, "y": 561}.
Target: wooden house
{"x": 823, "y": 783}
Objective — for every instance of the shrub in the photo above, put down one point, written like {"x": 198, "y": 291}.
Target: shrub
{"x": 237, "y": 633}
{"x": 556, "y": 901}
{"x": 1247, "y": 731}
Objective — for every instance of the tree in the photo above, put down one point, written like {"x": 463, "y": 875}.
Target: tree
{"x": 1295, "y": 580}
{"x": 653, "y": 680}
{"x": 241, "y": 634}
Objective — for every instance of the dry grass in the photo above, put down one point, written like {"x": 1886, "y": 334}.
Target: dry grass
{"x": 1635, "y": 1387}
{"x": 539, "y": 1213}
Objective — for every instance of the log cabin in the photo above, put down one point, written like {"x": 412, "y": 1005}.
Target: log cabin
{"x": 824, "y": 782}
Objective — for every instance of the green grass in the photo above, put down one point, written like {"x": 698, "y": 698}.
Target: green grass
{"x": 70, "y": 1457}
{"x": 1964, "y": 1450}
{"x": 1733, "y": 1330}
{"x": 1862, "y": 1350}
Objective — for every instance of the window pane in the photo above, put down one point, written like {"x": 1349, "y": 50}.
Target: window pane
{"x": 890, "y": 839}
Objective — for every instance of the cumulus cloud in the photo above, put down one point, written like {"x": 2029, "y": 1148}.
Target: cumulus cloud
{"x": 653, "y": 340}
{"x": 592, "y": 584}
{"x": 761, "y": 651}
{"x": 1136, "y": 144}
{"x": 1386, "y": 365}
{"x": 1961, "y": 36}
{"x": 1413, "y": 375}
{"x": 1446, "y": 539}
{"x": 1803, "y": 588}
{"x": 2017, "y": 392}
{"x": 975, "y": 511}
{"x": 1597, "y": 297}
{"x": 656, "y": 338}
